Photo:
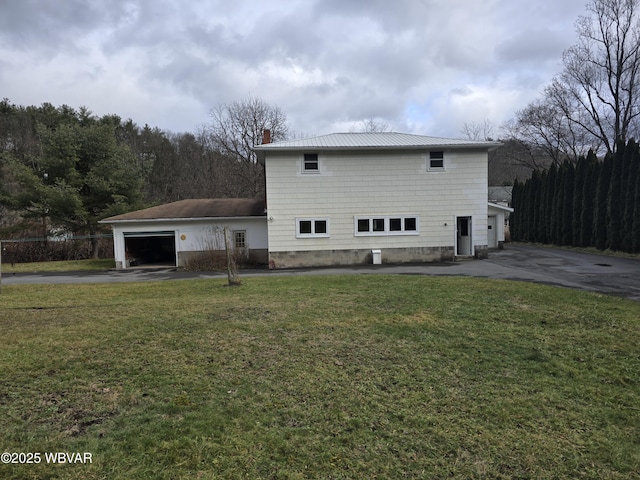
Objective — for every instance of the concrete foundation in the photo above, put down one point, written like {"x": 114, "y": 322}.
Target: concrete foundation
{"x": 218, "y": 257}
{"x": 329, "y": 258}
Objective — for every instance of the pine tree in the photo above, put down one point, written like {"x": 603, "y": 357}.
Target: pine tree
{"x": 589, "y": 201}
{"x": 614, "y": 200}
{"x": 527, "y": 209}
{"x": 602, "y": 194}
{"x": 566, "y": 237}
{"x": 635, "y": 222}
{"x": 578, "y": 199}
{"x": 558, "y": 207}
{"x": 552, "y": 200}
{"x": 543, "y": 209}
{"x": 628, "y": 191}
{"x": 534, "y": 210}
{"x": 514, "y": 224}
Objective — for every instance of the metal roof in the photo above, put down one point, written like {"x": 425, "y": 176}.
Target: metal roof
{"x": 373, "y": 141}
{"x": 196, "y": 208}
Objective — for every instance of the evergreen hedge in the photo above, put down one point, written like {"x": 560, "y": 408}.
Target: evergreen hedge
{"x": 591, "y": 203}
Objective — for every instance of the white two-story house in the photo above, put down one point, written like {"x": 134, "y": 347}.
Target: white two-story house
{"x": 340, "y": 199}
{"x": 355, "y": 198}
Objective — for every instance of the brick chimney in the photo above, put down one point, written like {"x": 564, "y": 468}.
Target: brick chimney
{"x": 266, "y": 136}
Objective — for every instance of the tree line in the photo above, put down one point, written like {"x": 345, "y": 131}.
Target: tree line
{"x": 64, "y": 169}
{"x": 589, "y": 203}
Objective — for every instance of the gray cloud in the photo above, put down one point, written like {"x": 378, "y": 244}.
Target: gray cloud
{"x": 39, "y": 26}
{"x": 419, "y": 65}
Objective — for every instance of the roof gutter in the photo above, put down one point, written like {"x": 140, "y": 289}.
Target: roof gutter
{"x": 500, "y": 207}
{"x": 325, "y": 148}
{"x": 178, "y": 219}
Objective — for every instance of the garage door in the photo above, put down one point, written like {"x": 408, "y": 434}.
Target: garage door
{"x": 150, "y": 248}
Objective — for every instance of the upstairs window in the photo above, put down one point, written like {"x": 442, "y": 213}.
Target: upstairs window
{"x": 436, "y": 160}
{"x": 310, "y": 163}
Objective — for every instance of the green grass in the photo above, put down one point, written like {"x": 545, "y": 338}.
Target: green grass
{"x": 321, "y": 377}
{"x": 60, "y": 266}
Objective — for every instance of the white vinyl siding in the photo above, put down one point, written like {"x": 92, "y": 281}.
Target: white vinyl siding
{"x": 194, "y": 235}
{"x": 388, "y": 184}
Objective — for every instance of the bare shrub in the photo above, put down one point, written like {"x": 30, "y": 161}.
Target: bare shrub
{"x": 212, "y": 254}
{"x": 207, "y": 261}
{"x": 32, "y": 249}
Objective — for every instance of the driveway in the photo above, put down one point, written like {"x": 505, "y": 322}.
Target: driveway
{"x": 551, "y": 266}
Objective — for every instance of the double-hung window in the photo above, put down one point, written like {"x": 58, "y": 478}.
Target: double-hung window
{"x": 436, "y": 160}
{"x": 312, "y": 227}
{"x": 386, "y": 225}
{"x": 310, "y": 163}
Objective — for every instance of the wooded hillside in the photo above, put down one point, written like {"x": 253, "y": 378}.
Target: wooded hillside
{"x": 62, "y": 170}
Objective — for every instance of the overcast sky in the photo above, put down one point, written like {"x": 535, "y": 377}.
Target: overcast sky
{"x": 420, "y": 66}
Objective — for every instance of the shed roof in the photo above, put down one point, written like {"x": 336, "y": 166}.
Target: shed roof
{"x": 196, "y": 208}
{"x": 497, "y": 206}
{"x": 373, "y": 141}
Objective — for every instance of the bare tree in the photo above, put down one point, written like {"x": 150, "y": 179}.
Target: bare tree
{"x": 593, "y": 102}
{"x": 546, "y": 135}
{"x": 371, "y": 125}
{"x": 237, "y": 127}
{"x": 478, "y": 131}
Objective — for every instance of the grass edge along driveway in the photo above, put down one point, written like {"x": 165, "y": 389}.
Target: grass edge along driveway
{"x": 320, "y": 377}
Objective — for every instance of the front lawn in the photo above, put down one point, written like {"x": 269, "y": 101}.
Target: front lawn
{"x": 59, "y": 266}
{"x": 320, "y": 377}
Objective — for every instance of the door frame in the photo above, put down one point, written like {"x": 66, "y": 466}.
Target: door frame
{"x": 463, "y": 246}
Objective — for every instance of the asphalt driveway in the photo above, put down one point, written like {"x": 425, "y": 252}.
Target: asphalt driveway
{"x": 552, "y": 266}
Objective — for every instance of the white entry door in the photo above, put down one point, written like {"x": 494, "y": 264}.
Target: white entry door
{"x": 463, "y": 237}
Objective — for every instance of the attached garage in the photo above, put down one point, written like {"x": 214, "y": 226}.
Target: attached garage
{"x": 171, "y": 234}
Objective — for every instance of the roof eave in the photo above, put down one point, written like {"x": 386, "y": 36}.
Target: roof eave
{"x": 177, "y": 219}
{"x": 500, "y": 207}
{"x": 452, "y": 146}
